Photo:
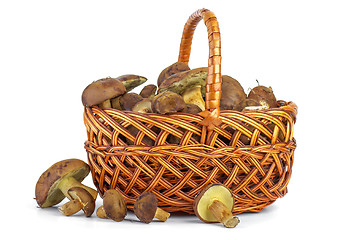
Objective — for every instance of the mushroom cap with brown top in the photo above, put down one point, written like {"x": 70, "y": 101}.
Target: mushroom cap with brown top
{"x": 86, "y": 199}
{"x": 172, "y": 69}
{"x": 206, "y": 197}
{"x": 102, "y": 90}
{"x": 114, "y": 205}
{"x": 145, "y": 207}
{"x": 46, "y": 192}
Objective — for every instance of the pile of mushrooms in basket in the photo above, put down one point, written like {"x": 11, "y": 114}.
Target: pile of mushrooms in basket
{"x": 179, "y": 89}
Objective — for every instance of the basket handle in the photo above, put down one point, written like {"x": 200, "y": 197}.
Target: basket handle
{"x": 213, "y": 86}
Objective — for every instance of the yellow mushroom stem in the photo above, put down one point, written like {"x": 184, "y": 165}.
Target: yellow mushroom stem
{"x": 223, "y": 214}
{"x": 71, "y": 207}
{"x": 161, "y": 214}
{"x": 70, "y": 182}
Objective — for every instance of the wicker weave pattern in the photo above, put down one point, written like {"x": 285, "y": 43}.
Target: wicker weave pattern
{"x": 257, "y": 173}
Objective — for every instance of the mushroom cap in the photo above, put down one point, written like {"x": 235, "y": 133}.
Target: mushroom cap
{"x": 148, "y": 91}
{"x": 102, "y": 90}
{"x": 181, "y": 81}
{"x": 232, "y": 93}
{"x": 170, "y": 70}
{"x": 206, "y": 197}
{"x": 168, "y": 102}
{"x": 130, "y": 81}
{"x": 263, "y": 95}
{"x": 143, "y": 106}
{"x": 145, "y": 207}
{"x": 47, "y": 193}
{"x": 128, "y": 100}
{"x": 85, "y": 198}
{"x": 114, "y": 205}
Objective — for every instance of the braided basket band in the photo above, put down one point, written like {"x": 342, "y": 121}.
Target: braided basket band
{"x": 257, "y": 171}
{"x": 213, "y": 91}
{"x": 251, "y": 153}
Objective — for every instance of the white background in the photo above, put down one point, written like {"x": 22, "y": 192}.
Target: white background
{"x": 308, "y": 51}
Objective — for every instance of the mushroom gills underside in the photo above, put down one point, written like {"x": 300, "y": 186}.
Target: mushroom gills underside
{"x": 211, "y": 195}
{"x": 55, "y": 195}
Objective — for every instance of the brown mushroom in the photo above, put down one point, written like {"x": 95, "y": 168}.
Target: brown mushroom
{"x": 146, "y": 209}
{"x": 143, "y": 106}
{"x": 181, "y": 81}
{"x": 215, "y": 204}
{"x": 232, "y": 93}
{"x": 148, "y": 91}
{"x": 80, "y": 199}
{"x": 102, "y": 91}
{"x": 131, "y": 81}
{"x": 168, "y": 102}
{"x": 263, "y": 95}
{"x": 114, "y": 206}
{"x": 54, "y": 184}
{"x": 170, "y": 70}
{"x": 128, "y": 100}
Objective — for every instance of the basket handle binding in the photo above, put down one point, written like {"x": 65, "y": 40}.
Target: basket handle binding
{"x": 213, "y": 84}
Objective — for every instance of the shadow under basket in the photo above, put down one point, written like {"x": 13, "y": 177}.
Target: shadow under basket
{"x": 176, "y": 155}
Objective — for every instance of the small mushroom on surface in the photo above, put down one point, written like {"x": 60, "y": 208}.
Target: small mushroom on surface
{"x": 263, "y": 95}
{"x": 143, "y": 106}
{"x": 114, "y": 206}
{"x": 145, "y": 208}
{"x": 194, "y": 95}
{"x": 54, "y": 184}
{"x": 148, "y": 91}
{"x": 80, "y": 199}
{"x": 128, "y": 100}
{"x": 215, "y": 204}
{"x": 167, "y": 102}
{"x": 181, "y": 81}
{"x": 101, "y": 92}
{"x": 131, "y": 81}
{"x": 170, "y": 70}
{"x": 232, "y": 93}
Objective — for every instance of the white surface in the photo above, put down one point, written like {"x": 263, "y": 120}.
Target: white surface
{"x": 306, "y": 50}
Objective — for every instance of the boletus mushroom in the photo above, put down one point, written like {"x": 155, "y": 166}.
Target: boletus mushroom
{"x": 54, "y": 184}
{"x": 101, "y": 92}
{"x": 80, "y": 199}
{"x": 128, "y": 100}
{"x": 170, "y": 70}
{"x": 181, "y": 81}
{"x": 143, "y": 106}
{"x": 148, "y": 91}
{"x": 232, "y": 93}
{"x": 215, "y": 204}
{"x": 114, "y": 206}
{"x": 263, "y": 95}
{"x": 146, "y": 209}
{"x": 168, "y": 102}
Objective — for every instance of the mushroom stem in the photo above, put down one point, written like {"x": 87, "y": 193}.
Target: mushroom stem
{"x": 223, "y": 214}
{"x": 161, "y": 214}
{"x": 71, "y": 207}
{"x": 70, "y": 182}
{"x": 105, "y": 104}
{"x": 101, "y": 212}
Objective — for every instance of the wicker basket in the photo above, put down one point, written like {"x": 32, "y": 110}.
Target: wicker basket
{"x": 249, "y": 152}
